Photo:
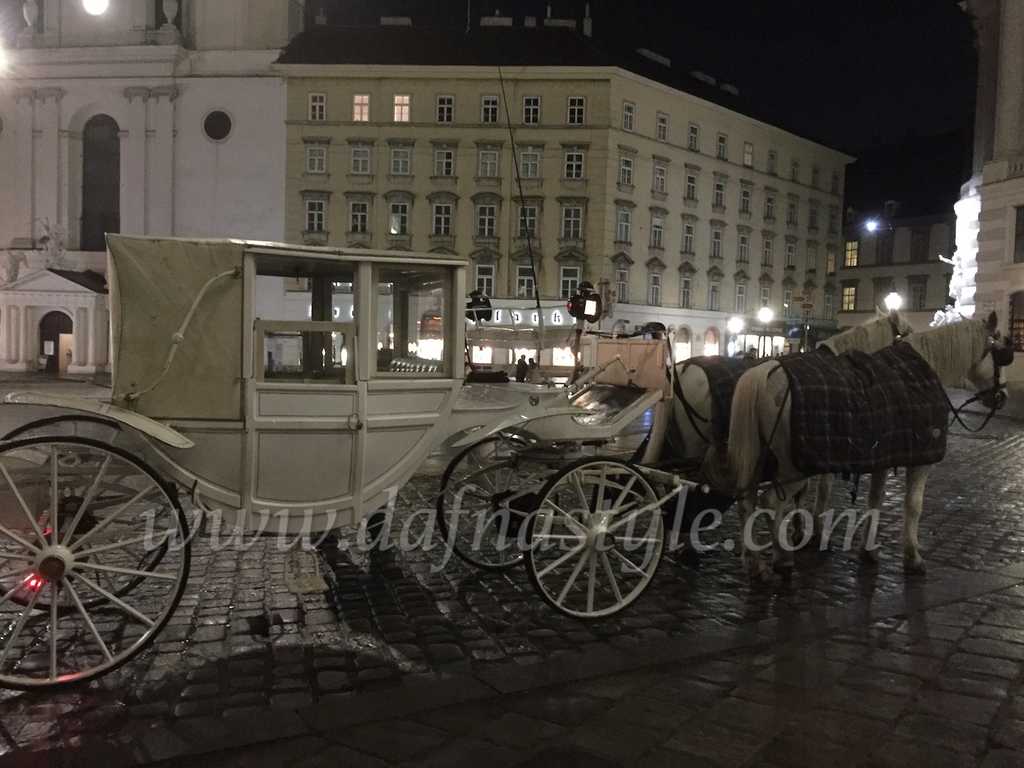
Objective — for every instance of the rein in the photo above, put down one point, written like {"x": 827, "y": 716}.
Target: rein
{"x": 1000, "y": 359}
{"x": 691, "y": 412}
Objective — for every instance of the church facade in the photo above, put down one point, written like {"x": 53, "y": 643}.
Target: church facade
{"x": 144, "y": 117}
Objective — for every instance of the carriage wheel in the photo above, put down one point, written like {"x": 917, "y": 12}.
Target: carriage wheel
{"x": 596, "y": 538}
{"x": 487, "y": 492}
{"x": 75, "y": 425}
{"x": 94, "y": 557}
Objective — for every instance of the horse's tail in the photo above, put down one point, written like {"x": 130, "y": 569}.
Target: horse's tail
{"x": 745, "y": 428}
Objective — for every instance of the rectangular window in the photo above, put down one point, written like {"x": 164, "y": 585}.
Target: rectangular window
{"x": 361, "y": 108}
{"x": 767, "y": 252}
{"x": 624, "y": 225}
{"x": 794, "y": 169}
{"x": 360, "y": 160}
{"x": 488, "y": 109}
{"x": 622, "y": 286}
{"x": 486, "y": 220}
{"x": 745, "y": 200}
{"x": 791, "y": 254}
{"x": 688, "y": 236}
{"x": 528, "y": 221}
{"x": 918, "y": 297}
{"x": 529, "y": 163}
{"x": 716, "y": 243}
{"x": 718, "y": 201}
{"x": 628, "y": 116}
{"x": 660, "y": 178}
{"x": 815, "y": 176}
{"x": 654, "y": 289}
{"x": 485, "y": 279}
{"x": 570, "y": 281}
{"x": 402, "y": 105}
{"x": 723, "y": 147}
{"x": 833, "y": 220}
{"x": 398, "y": 223}
{"x": 318, "y": 107}
{"x": 714, "y": 296}
{"x": 748, "y": 154}
{"x": 531, "y": 110}
{"x": 446, "y": 109}
{"x": 743, "y": 251}
{"x": 849, "y": 298}
{"x": 830, "y": 311}
{"x": 791, "y": 213}
{"x": 525, "y": 285}
{"x": 444, "y": 162}
{"x": 574, "y": 164}
{"x": 685, "y": 293}
{"x": 769, "y": 208}
{"x": 691, "y": 187}
{"x": 852, "y": 253}
{"x": 572, "y": 222}
{"x": 316, "y": 159}
{"x": 316, "y": 215}
{"x": 773, "y": 160}
{"x": 487, "y": 166}
{"x": 1018, "y": 236}
{"x": 787, "y": 303}
{"x": 442, "y": 219}
{"x": 401, "y": 161}
{"x": 830, "y": 259}
{"x": 812, "y": 217}
{"x": 835, "y": 182}
{"x": 657, "y": 232}
{"x": 693, "y": 137}
{"x": 358, "y": 217}
{"x": 766, "y": 295}
{"x": 741, "y": 298}
{"x": 661, "y": 127}
{"x": 412, "y": 315}
{"x": 812, "y": 256}
{"x": 626, "y": 171}
{"x": 576, "y": 110}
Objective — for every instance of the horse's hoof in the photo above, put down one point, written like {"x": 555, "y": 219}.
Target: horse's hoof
{"x": 914, "y": 567}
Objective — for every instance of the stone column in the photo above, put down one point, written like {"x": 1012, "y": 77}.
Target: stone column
{"x": 1009, "y": 140}
{"x": 71, "y": 200}
{"x": 11, "y": 335}
{"x": 48, "y": 161}
{"x": 24, "y": 125}
{"x": 80, "y": 353}
{"x": 160, "y": 177}
{"x": 29, "y": 339}
{"x": 133, "y": 163}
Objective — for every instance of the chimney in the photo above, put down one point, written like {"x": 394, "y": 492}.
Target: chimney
{"x": 588, "y": 23}
{"x": 396, "y": 21}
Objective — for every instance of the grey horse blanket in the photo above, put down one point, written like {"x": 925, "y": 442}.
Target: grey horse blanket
{"x": 860, "y": 413}
{"x": 722, "y": 373}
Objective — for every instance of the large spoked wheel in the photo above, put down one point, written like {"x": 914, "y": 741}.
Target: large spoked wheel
{"x": 596, "y": 539}
{"x": 487, "y": 493}
{"x": 94, "y": 557}
{"x": 69, "y": 425}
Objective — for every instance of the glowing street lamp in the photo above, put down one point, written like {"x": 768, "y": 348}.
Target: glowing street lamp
{"x": 765, "y": 315}
{"x": 893, "y": 302}
{"x": 96, "y": 7}
{"x": 871, "y": 225}
{"x": 735, "y": 326}
{"x": 3, "y": 60}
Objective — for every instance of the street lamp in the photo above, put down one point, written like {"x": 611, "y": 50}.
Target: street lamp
{"x": 95, "y": 7}
{"x": 765, "y": 315}
{"x": 893, "y": 302}
{"x": 3, "y": 59}
{"x": 735, "y": 325}
{"x": 871, "y": 225}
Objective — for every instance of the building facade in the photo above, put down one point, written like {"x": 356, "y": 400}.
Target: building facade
{"x": 888, "y": 254}
{"x": 679, "y": 209}
{"x": 149, "y": 118}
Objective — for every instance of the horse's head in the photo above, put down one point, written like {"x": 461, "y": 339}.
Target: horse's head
{"x": 898, "y": 324}
{"x": 986, "y": 373}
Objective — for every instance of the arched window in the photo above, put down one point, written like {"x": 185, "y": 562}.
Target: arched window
{"x": 101, "y": 182}
{"x": 711, "y": 346}
{"x": 683, "y": 344}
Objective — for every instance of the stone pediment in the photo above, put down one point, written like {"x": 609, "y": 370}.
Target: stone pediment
{"x": 45, "y": 281}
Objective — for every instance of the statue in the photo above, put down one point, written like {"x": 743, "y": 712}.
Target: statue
{"x": 15, "y": 260}
{"x": 53, "y": 243}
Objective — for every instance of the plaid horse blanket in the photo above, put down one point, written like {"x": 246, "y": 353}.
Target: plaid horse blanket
{"x": 860, "y": 413}
{"x": 722, "y": 373}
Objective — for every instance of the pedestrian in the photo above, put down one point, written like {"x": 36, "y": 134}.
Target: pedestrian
{"x": 531, "y": 374}
{"x": 521, "y": 369}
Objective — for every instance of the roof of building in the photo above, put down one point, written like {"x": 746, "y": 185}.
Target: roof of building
{"x": 510, "y": 46}
{"x": 90, "y": 280}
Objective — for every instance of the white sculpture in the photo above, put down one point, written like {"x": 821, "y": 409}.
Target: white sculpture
{"x": 15, "y": 260}
{"x": 30, "y": 10}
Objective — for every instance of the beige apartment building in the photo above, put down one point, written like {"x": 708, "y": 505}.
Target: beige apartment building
{"x": 635, "y": 175}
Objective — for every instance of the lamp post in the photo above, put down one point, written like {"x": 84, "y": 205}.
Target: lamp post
{"x": 765, "y": 315}
{"x": 893, "y": 302}
{"x": 735, "y": 327}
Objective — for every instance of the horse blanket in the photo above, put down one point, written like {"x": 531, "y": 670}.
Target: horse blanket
{"x": 860, "y": 413}
{"x": 722, "y": 373}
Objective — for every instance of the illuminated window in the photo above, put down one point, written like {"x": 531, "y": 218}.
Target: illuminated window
{"x": 402, "y": 105}
{"x": 361, "y": 108}
{"x": 482, "y": 355}
{"x": 852, "y": 253}
{"x": 849, "y": 298}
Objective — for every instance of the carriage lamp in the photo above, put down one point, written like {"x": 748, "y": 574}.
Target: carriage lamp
{"x": 735, "y": 326}
{"x": 478, "y": 308}
{"x": 95, "y": 7}
{"x": 585, "y": 303}
{"x": 893, "y": 302}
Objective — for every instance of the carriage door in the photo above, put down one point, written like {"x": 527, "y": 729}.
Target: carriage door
{"x": 305, "y": 409}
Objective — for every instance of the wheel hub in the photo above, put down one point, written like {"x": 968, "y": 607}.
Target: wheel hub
{"x": 54, "y": 562}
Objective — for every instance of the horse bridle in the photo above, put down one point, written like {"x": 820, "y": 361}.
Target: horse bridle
{"x": 1002, "y": 357}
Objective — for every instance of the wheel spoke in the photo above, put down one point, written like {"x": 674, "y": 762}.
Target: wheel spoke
{"x": 54, "y": 533}
{"x": 118, "y": 602}
{"x": 53, "y": 630}
{"x": 19, "y": 626}
{"x": 16, "y": 556}
{"x": 629, "y": 518}
{"x": 610, "y": 573}
{"x": 125, "y": 571}
{"x": 558, "y": 537}
{"x": 21, "y": 502}
{"x": 602, "y": 484}
{"x": 572, "y": 577}
{"x": 629, "y": 564}
{"x": 121, "y": 545}
{"x": 111, "y": 518}
{"x": 17, "y": 539}
{"x": 573, "y": 522}
{"x": 88, "y": 620}
{"x": 591, "y": 581}
{"x": 551, "y": 566}
{"x": 579, "y": 489}
{"x": 90, "y": 494}
{"x": 622, "y": 496}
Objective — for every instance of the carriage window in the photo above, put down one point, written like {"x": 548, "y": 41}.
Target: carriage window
{"x": 411, "y": 320}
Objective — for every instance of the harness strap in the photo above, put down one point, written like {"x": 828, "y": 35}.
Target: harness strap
{"x": 691, "y": 413}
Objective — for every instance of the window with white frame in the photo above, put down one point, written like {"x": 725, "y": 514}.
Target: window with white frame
{"x": 689, "y": 232}
{"x": 628, "y": 116}
{"x": 794, "y": 170}
{"x": 769, "y": 207}
{"x": 577, "y": 110}
{"x": 771, "y": 166}
{"x": 446, "y": 109}
{"x": 657, "y": 232}
{"x": 716, "y": 242}
{"x": 531, "y": 110}
{"x": 661, "y": 127}
{"x": 815, "y": 176}
{"x": 723, "y": 147}
{"x": 572, "y": 222}
{"x": 791, "y": 213}
{"x": 918, "y": 296}
{"x": 788, "y": 310}
{"x": 714, "y": 296}
{"x": 766, "y": 294}
{"x": 660, "y": 178}
{"x": 626, "y": 171}
{"x": 318, "y": 107}
{"x": 485, "y": 279}
{"x": 528, "y": 221}
{"x": 767, "y": 252}
{"x": 360, "y": 159}
{"x": 812, "y": 217}
{"x": 487, "y": 166}
{"x": 401, "y": 161}
{"x": 685, "y": 293}
{"x": 358, "y": 217}
{"x": 488, "y": 109}
{"x": 693, "y": 137}
{"x": 743, "y": 250}
{"x": 741, "y": 299}
{"x": 574, "y": 164}
{"x": 398, "y": 221}
{"x": 624, "y": 225}
{"x": 849, "y": 298}
{"x": 622, "y": 286}
{"x": 361, "y": 108}
{"x": 316, "y": 158}
{"x": 569, "y": 281}
{"x": 486, "y": 220}
{"x": 402, "y": 107}
{"x": 691, "y": 187}
{"x": 316, "y": 215}
{"x": 748, "y": 154}
{"x": 830, "y": 259}
{"x": 791, "y": 254}
{"x": 745, "y": 200}
{"x": 442, "y": 224}
{"x": 444, "y": 161}
{"x": 525, "y": 284}
{"x": 718, "y": 201}
{"x": 529, "y": 163}
{"x": 654, "y": 289}
{"x": 829, "y": 307}
{"x": 812, "y": 256}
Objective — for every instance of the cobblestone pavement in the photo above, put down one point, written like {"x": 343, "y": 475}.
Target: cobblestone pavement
{"x": 406, "y": 662}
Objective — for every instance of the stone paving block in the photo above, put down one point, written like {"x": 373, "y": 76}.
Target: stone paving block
{"x": 955, "y": 706}
{"x": 1009, "y": 734}
{"x": 949, "y": 734}
{"x": 616, "y": 740}
{"x": 520, "y": 731}
{"x": 394, "y": 740}
{"x": 567, "y": 756}
{"x": 1003, "y": 758}
{"x": 561, "y": 708}
{"x": 986, "y": 688}
{"x": 882, "y": 680}
{"x": 890, "y": 753}
{"x": 983, "y": 665}
{"x": 716, "y": 743}
{"x": 990, "y": 647}
{"x": 1006, "y": 634}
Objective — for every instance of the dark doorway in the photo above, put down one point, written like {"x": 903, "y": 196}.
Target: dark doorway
{"x": 101, "y": 182}
{"x": 1017, "y": 320}
{"x": 55, "y": 339}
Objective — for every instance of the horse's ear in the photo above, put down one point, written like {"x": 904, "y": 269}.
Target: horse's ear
{"x": 992, "y": 322}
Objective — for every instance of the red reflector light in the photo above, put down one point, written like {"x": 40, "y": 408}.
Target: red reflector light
{"x": 34, "y": 582}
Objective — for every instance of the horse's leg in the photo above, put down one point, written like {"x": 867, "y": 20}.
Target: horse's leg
{"x": 875, "y": 495}
{"x": 913, "y": 563}
{"x": 756, "y": 567}
{"x": 784, "y": 526}
{"x": 822, "y": 500}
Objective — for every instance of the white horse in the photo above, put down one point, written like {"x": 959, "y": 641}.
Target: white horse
{"x": 958, "y": 353}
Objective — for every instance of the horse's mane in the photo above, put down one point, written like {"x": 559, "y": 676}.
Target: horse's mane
{"x": 871, "y": 336}
{"x": 952, "y": 350}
